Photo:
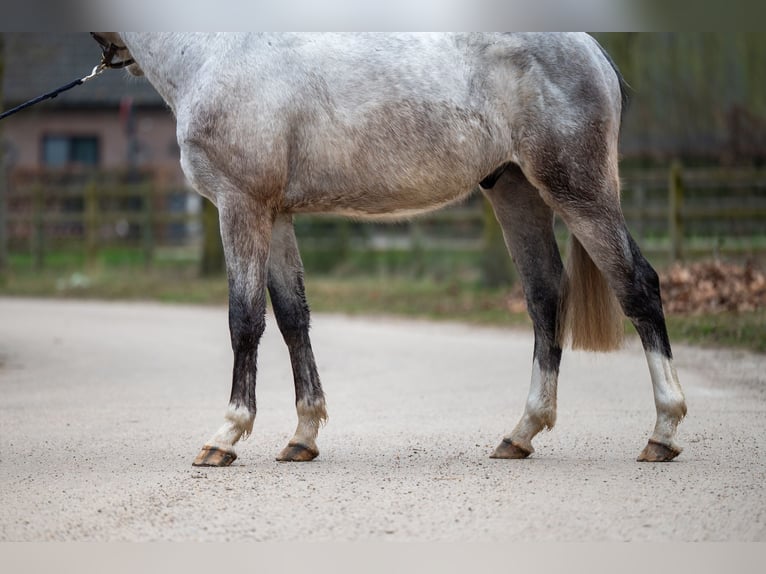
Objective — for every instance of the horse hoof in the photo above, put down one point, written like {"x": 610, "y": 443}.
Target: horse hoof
{"x": 509, "y": 449}
{"x": 214, "y": 456}
{"x": 295, "y": 452}
{"x": 658, "y": 452}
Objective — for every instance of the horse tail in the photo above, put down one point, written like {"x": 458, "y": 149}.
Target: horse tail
{"x": 590, "y": 317}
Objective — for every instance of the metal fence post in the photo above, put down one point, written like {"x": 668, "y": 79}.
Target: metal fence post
{"x": 675, "y": 207}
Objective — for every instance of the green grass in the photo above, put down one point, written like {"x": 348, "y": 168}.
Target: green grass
{"x": 428, "y": 299}
{"x": 467, "y": 303}
{"x": 168, "y": 285}
{"x": 738, "y": 330}
{"x": 115, "y": 257}
{"x": 443, "y": 299}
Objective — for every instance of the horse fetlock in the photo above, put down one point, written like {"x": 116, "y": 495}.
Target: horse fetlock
{"x": 238, "y": 423}
{"x": 241, "y": 419}
{"x": 682, "y": 408}
{"x": 672, "y": 411}
{"x": 666, "y": 426}
{"x": 312, "y": 412}
{"x": 302, "y": 447}
{"x": 543, "y": 418}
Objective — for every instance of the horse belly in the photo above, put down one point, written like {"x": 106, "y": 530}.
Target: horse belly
{"x": 398, "y": 191}
{"x": 398, "y": 159}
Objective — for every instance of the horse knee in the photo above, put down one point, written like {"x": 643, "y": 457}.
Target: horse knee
{"x": 246, "y": 323}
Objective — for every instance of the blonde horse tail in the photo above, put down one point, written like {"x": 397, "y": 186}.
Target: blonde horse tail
{"x": 590, "y": 318}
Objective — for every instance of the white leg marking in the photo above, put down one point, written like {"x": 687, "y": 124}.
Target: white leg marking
{"x": 310, "y": 417}
{"x": 668, "y": 398}
{"x": 239, "y": 424}
{"x": 540, "y": 410}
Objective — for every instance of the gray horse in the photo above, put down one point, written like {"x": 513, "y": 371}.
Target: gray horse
{"x": 388, "y": 126}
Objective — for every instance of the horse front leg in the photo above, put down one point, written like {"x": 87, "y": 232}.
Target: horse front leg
{"x": 246, "y": 233}
{"x": 291, "y": 310}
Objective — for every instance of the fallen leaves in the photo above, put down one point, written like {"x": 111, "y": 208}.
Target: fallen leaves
{"x": 696, "y": 288}
{"x": 712, "y": 287}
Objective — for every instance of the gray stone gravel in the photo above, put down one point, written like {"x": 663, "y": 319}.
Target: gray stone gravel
{"x": 103, "y": 406}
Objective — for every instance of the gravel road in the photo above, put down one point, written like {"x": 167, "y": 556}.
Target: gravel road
{"x": 103, "y": 406}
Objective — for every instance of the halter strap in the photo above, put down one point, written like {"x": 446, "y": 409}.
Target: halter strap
{"x": 108, "y": 52}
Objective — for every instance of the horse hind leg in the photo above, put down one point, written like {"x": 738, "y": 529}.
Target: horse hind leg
{"x": 638, "y": 289}
{"x": 291, "y": 310}
{"x": 644, "y": 307}
{"x": 527, "y": 224}
{"x": 584, "y": 191}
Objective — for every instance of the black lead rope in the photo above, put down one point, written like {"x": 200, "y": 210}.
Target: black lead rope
{"x": 108, "y": 52}
{"x": 48, "y": 96}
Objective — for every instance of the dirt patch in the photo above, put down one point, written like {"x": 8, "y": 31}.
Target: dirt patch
{"x": 104, "y": 406}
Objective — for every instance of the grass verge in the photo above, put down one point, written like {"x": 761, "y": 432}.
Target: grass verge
{"x": 738, "y": 330}
{"x": 428, "y": 299}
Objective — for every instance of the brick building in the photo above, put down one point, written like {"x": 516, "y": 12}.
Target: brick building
{"x": 112, "y": 122}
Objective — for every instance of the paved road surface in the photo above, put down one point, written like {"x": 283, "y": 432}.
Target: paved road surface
{"x": 103, "y": 406}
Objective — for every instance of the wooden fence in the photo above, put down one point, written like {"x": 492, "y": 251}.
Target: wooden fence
{"x": 86, "y": 212}
{"x": 687, "y": 212}
{"x": 677, "y": 212}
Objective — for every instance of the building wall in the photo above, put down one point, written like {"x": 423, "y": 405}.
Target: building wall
{"x": 154, "y": 135}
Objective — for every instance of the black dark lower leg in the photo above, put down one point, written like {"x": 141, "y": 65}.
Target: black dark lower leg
{"x": 292, "y": 314}
{"x": 642, "y": 302}
{"x": 631, "y": 277}
{"x": 542, "y": 294}
{"x": 291, "y": 310}
{"x": 246, "y": 326}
